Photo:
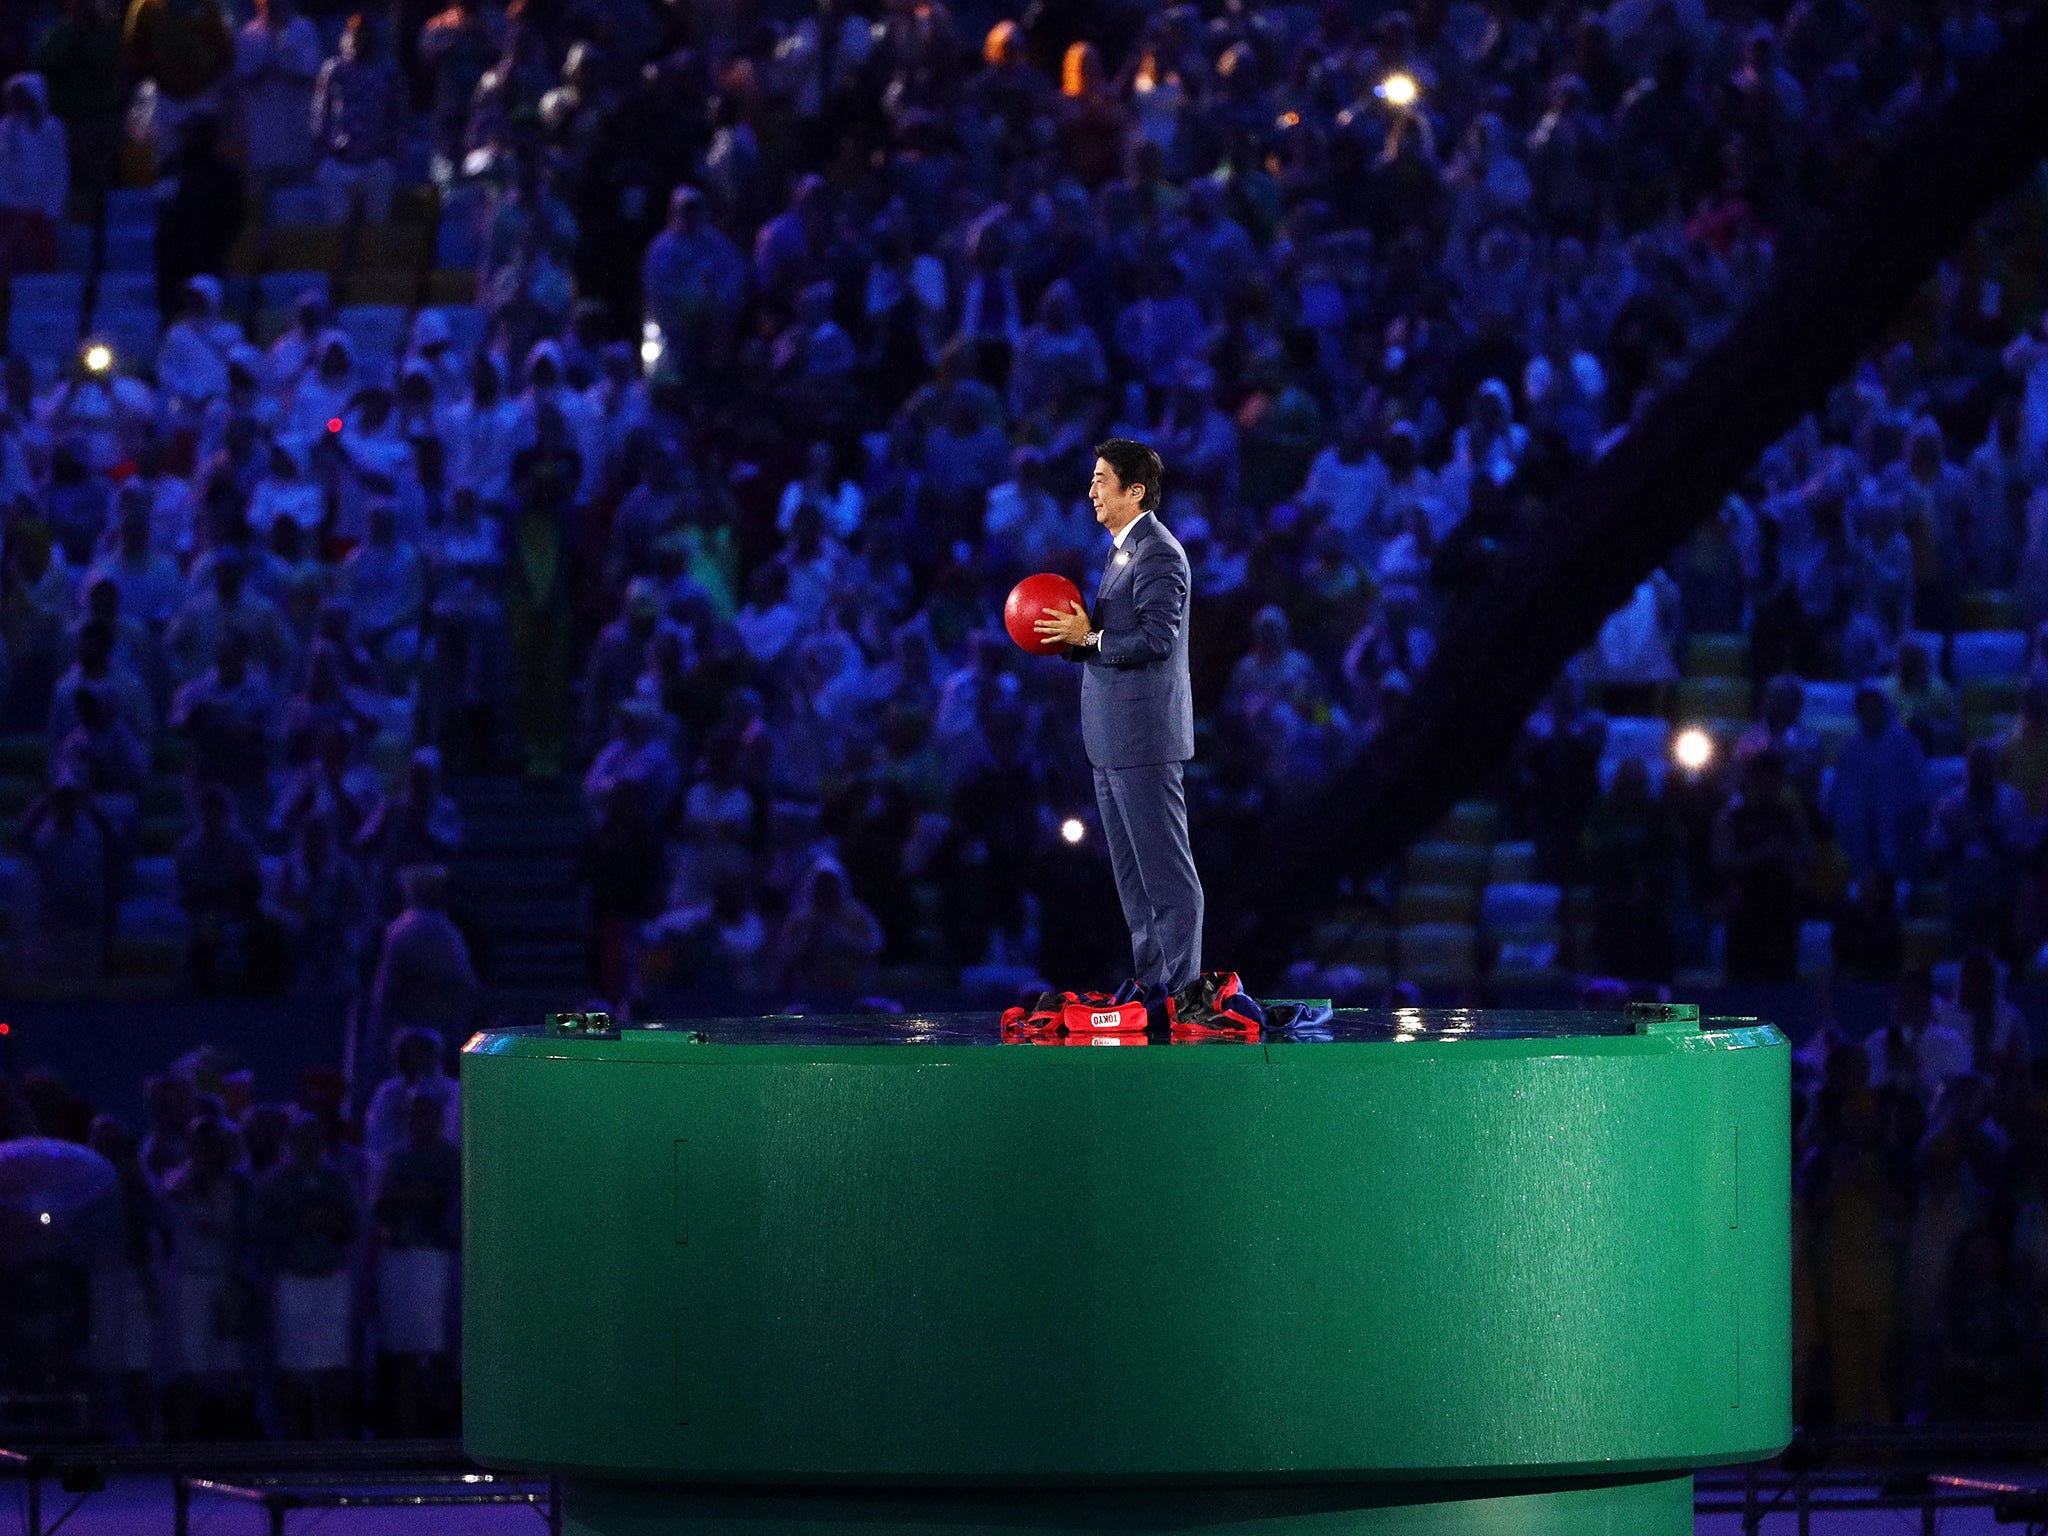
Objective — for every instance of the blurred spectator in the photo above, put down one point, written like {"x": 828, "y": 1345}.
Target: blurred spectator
{"x": 1925, "y": 702}
{"x": 1980, "y": 837}
{"x": 424, "y": 978}
{"x": 277, "y": 57}
{"x": 35, "y": 176}
{"x": 1880, "y": 791}
{"x": 184, "y": 50}
{"x": 322, "y": 904}
{"x": 1869, "y": 942}
{"x": 417, "y": 824}
{"x": 1632, "y": 856}
{"x": 418, "y": 1213}
{"x": 1764, "y": 848}
{"x": 213, "y": 1306}
{"x": 127, "y": 1296}
{"x": 830, "y": 939}
{"x": 1991, "y": 1026}
{"x": 199, "y": 219}
{"x": 1558, "y": 774}
{"x": 416, "y": 1066}
{"x": 220, "y": 886}
{"x": 79, "y": 58}
{"x": 358, "y": 125}
{"x": 70, "y": 849}
{"x": 305, "y": 1222}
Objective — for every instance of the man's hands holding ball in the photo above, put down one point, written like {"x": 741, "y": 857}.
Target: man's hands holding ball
{"x": 1067, "y": 628}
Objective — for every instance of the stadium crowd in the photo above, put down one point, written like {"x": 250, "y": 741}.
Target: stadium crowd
{"x": 794, "y": 328}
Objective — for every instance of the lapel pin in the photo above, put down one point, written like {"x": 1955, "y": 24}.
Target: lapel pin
{"x": 1123, "y": 557}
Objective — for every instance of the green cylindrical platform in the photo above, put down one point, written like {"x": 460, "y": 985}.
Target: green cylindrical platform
{"x": 1440, "y": 1273}
{"x": 1629, "y": 1507}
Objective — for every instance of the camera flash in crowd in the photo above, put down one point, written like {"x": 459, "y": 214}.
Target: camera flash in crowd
{"x": 1398, "y": 89}
{"x": 1692, "y": 749}
{"x": 99, "y": 357}
{"x": 1073, "y": 829}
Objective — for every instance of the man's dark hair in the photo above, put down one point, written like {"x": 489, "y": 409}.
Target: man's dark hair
{"x": 1135, "y": 464}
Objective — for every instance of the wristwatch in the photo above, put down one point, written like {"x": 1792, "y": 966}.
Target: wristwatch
{"x": 1093, "y": 639}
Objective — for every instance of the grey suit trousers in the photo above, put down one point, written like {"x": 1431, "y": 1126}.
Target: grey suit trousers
{"x": 1145, "y": 817}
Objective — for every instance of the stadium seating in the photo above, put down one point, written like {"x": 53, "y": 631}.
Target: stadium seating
{"x": 1988, "y": 656}
{"x": 1439, "y": 954}
{"x": 130, "y": 248}
{"x": 305, "y": 247}
{"x": 1442, "y": 862}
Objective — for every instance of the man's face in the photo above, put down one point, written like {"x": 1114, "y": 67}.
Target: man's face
{"x": 1114, "y": 502}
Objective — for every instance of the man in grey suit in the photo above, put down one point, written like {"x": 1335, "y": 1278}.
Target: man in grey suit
{"x": 1138, "y": 714}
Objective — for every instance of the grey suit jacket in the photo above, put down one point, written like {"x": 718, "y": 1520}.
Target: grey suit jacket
{"x": 1137, "y": 706}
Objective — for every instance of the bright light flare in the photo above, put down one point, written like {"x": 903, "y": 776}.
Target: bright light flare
{"x": 1073, "y": 829}
{"x": 1398, "y": 89}
{"x": 1693, "y": 749}
{"x": 99, "y": 357}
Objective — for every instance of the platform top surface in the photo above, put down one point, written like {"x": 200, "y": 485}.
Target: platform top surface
{"x": 1345, "y": 1026}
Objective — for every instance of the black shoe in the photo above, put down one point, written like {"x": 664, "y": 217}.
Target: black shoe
{"x": 1153, "y": 995}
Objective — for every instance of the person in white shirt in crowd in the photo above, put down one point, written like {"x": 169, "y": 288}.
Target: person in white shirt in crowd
{"x": 837, "y": 498}
{"x": 277, "y": 59}
{"x": 619, "y": 403}
{"x": 325, "y": 386}
{"x": 967, "y": 697}
{"x": 1271, "y": 671}
{"x": 376, "y": 468}
{"x": 1490, "y": 444}
{"x": 417, "y": 1206}
{"x": 415, "y": 1065}
{"x": 769, "y": 623}
{"x": 384, "y": 583}
{"x": 1023, "y": 522}
{"x": 432, "y": 346}
{"x": 1978, "y": 1010}
{"x": 286, "y": 492}
{"x": 1347, "y": 483}
{"x": 192, "y": 361}
{"x": 1635, "y": 644}
{"x": 35, "y": 176}
{"x": 547, "y": 384}
{"x": 1566, "y": 388}
{"x": 151, "y": 587}
{"x": 481, "y": 433}
{"x": 245, "y": 402}
{"x": 298, "y": 349}
{"x": 307, "y": 1219}
{"x": 358, "y": 124}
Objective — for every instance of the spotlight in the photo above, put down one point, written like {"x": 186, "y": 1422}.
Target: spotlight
{"x": 1693, "y": 749}
{"x": 1073, "y": 829}
{"x": 99, "y": 357}
{"x": 1398, "y": 89}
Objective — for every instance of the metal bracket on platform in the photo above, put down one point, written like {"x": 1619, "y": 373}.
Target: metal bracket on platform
{"x": 1664, "y": 1018}
{"x": 582, "y": 1026}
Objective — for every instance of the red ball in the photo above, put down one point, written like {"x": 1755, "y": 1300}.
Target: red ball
{"x": 1027, "y": 603}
